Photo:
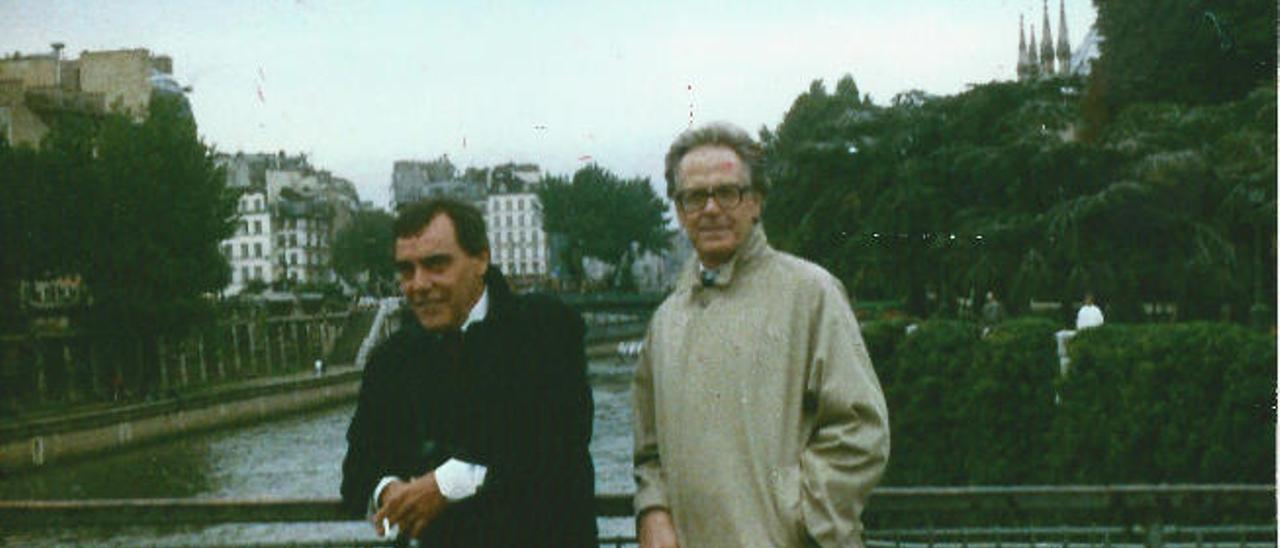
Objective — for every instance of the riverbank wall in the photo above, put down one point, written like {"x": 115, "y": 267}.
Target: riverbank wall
{"x": 31, "y": 444}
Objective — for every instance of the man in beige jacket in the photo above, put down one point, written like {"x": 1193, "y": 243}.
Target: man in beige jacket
{"x": 759, "y": 420}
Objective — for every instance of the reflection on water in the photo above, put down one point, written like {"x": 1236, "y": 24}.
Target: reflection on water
{"x": 300, "y": 456}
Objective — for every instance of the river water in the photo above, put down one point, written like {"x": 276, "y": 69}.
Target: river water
{"x": 299, "y": 456}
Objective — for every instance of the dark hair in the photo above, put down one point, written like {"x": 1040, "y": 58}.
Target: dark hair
{"x": 722, "y": 134}
{"x": 468, "y": 222}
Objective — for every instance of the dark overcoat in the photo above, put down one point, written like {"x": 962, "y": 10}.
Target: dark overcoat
{"x": 517, "y": 401}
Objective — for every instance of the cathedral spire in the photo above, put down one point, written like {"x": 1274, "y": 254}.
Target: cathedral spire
{"x": 1023, "y": 63}
{"x": 1064, "y": 45}
{"x": 1046, "y": 44}
{"x": 1033, "y": 58}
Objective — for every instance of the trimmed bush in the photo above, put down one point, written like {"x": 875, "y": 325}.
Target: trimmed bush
{"x": 1183, "y": 403}
{"x": 928, "y": 437}
{"x": 1168, "y": 403}
{"x": 1006, "y": 403}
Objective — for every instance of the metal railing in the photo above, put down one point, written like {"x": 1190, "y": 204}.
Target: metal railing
{"x": 1120, "y": 515}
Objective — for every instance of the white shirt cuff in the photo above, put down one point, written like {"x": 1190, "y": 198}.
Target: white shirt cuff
{"x": 459, "y": 479}
{"x": 377, "y": 492}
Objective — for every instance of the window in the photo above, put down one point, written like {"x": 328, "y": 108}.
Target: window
{"x": 257, "y": 227}
{"x": 257, "y": 249}
{"x": 293, "y": 258}
{"x": 244, "y": 274}
{"x": 244, "y": 250}
{"x": 257, "y": 273}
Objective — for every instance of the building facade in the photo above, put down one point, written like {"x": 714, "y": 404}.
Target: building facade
{"x": 249, "y": 250}
{"x": 413, "y": 180}
{"x": 517, "y": 241}
{"x": 35, "y": 87}
{"x": 289, "y": 214}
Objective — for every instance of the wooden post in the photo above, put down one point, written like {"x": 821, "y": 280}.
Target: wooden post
{"x": 219, "y": 361}
{"x": 182, "y": 363}
{"x": 280, "y": 340}
{"x": 253, "y": 358}
{"x": 298, "y": 354}
{"x": 204, "y": 363}
{"x": 95, "y": 372}
{"x": 73, "y": 394}
{"x": 235, "y": 347}
{"x": 42, "y": 383}
{"x": 266, "y": 327}
{"x": 164, "y": 367}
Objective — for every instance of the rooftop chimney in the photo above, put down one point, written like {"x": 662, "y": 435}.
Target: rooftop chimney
{"x": 57, "y": 63}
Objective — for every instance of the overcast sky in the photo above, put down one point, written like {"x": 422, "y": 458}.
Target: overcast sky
{"x": 359, "y": 85}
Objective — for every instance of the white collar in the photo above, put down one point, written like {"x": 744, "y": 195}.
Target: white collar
{"x": 479, "y": 311}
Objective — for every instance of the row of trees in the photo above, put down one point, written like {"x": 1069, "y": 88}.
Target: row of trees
{"x": 134, "y": 210}
{"x": 1048, "y": 189}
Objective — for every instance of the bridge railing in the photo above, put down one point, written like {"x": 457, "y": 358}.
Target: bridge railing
{"x": 1150, "y": 515}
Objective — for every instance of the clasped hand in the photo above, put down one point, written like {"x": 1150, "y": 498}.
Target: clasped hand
{"x": 410, "y": 506}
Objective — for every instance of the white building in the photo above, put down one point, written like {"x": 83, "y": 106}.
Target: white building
{"x": 250, "y": 250}
{"x": 517, "y": 242}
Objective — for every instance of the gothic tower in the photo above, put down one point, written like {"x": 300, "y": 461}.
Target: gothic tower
{"x": 1024, "y": 61}
{"x": 1064, "y": 45}
{"x": 1033, "y": 58}
{"x": 1046, "y": 45}
{"x": 1041, "y": 59}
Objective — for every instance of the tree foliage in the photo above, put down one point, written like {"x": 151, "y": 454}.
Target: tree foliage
{"x": 937, "y": 199}
{"x": 135, "y": 210}
{"x": 602, "y": 216}
{"x": 364, "y": 248}
{"x": 1188, "y": 52}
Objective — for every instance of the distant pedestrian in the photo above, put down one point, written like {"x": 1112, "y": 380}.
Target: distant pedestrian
{"x": 992, "y": 312}
{"x": 1089, "y": 315}
{"x": 117, "y": 387}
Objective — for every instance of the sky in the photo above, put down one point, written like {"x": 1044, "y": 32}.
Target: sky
{"x": 358, "y": 85}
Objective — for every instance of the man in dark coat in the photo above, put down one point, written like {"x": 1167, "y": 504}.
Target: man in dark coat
{"x": 474, "y": 419}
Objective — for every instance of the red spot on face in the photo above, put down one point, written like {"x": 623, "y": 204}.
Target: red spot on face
{"x": 727, "y": 165}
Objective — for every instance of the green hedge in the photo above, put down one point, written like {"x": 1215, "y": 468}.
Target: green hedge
{"x": 1167, "y": 403}
{"x": 1173, "y": 403}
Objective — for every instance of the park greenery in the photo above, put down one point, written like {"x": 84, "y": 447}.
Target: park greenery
{"x": 134, "y": 210}
{"x": 1149, "y": 403}
{"x": 1143, "y": 185}
{"x": 603, "y": 217}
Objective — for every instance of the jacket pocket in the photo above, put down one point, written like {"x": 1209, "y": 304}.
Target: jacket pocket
{"x": 786, "y": 494}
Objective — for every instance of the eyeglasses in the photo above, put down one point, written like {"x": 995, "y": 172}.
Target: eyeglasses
{"x": 727, "y": 197}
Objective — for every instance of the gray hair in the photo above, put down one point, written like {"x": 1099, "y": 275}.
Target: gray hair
{"x": 721, "y": 134}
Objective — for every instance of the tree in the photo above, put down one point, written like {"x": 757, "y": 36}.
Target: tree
{"x": 937, "y": 199}
{"x": 1192, "y": 52}
{"x": 156, "y": 209}
{"x": 363, "y": 249}
{"x": 603, "y": 217}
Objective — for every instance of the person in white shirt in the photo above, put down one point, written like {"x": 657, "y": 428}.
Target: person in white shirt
{"x": 1089, "y": 315}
